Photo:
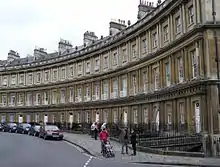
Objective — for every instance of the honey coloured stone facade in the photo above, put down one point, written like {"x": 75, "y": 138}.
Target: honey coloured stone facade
{"x": 159, "y": 71}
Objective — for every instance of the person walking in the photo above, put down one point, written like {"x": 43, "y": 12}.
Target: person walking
{"x": 96, "y": 131}
{"x": 133, "y": 141}
{"x": 104, "y": 135}
{"x": 124, "y": 140}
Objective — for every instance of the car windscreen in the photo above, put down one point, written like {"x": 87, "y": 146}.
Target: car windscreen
{"x": 51, "y": 128}
{"x": 36, "y": 127}
{"x": 12, "y": 124}
{"x": 26, "y": 125}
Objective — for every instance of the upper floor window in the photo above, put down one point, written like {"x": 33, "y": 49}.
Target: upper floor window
{"x": 191, "y": 14}
{"x": 156, "y": 78}
{"x": 155, "y": 40}
{"x": 5, "y": 81}
{"x": 144, "y": 46}
{"x": 71, "y": 71}
{"x": 13, "y": 79}
{"x": 105, "y": 61}
{"x": 124, "y": 55}
{"x": 194, "y": 59}
{"x": 88, "y": 67}
{"x": 21, "y": 78}
{"x": 180, "y": 68}
{"x": 115, "y": 58}
{"x": 63, "y": 73}
{"x": 134, "y": 51}
{"x": 145, "y": 81}
{"x": 97, "y": 64}
{"x": 38, "y": 77}
{"x": 30, "y": 79}
{"x": 178, "y": 24}
{"x": 55, "y": 75}
{"x": 167, "y": 70}
{"x": 80, "y": 68}
{"x": 46, "y": 76}
{"x": 165, "y": 33}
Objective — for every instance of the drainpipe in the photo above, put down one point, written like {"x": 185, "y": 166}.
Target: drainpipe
{"x": 218, "y": 75}
{"x": 216, "y": 48}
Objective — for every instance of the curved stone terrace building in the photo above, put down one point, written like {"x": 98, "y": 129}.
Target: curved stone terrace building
{"x": 160, "y": 70}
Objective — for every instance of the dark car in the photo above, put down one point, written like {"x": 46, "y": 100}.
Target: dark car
{"x": 34, "y": 130}
{"x": 50, "y": 131}
{"x": 9, "y": 127}
{"x": 23, "y": 128}
{"x": 1, "y": 127}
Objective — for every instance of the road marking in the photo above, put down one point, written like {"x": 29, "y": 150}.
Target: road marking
{"x": 87, "y": 162}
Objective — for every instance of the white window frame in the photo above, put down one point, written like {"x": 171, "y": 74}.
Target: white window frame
{"x": 38, "y": 98}
{"x": 21, "y": 79}
{"x": 97, "y": 64}
{"x": 88, "y": 67}
{"x": 124, "y": 55}
{"x": 29, "y": 99}
{"x": 144, "y": 45}
{"x": 55, "y": 75}
{"x": 155, "y": 39}
{"x": 30, "y": 78}
{"x": 168, "y": 73}
{"x": 13, "y": 80}
{"x": 145, "y": 80}
{"x": 146, "y": 115}
{"x": 106, "y": 62}
{"x": 46, "y": 98}
{"x": 134, "y": 50}
{"x": 178, "y": 24}
{"x": 38, "y": 77}
{"x": 194, "y": 59}
{"x": 71, "y": 70}
{"x": 62, "y": 96}
{"x": 115, "y": 58}
{"x": 5, "y": 81}
{"x": 191, "y": 14}
{"x": 12, "y": 99}
{"x": 134, "y": 84}
{"x": 63, "y": 73}
{"x": 4, "y": 100}
{"x": 180, "y": 69}
{"x": 156, "y": 78}
{"x": 165, "y": 33}
{"x": 46, "y": 76}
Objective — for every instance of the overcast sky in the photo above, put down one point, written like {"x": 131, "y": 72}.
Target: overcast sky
{"x": 25, "y": 24}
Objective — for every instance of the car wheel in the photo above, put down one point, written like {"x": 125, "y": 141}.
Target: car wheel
{"x": 45, "y": 137}
{"x": 3, "y": 130}
{"x": 10, "y": 130}
{"x": 29, "y": 133}
{"x": 35, "y": 134}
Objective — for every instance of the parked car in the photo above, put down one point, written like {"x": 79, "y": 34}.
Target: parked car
{"x": 23, "y": 128}
{"x": 9, "y": 127}
{"x": 1, "y": 127}
{"x": 34, "y": 130}
{"x": 50, "y": 131}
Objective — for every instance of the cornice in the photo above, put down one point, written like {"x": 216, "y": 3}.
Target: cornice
{"x": 186, "y": 39}
{"x": 190, "y": 88}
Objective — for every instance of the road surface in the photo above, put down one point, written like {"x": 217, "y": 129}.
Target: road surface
{"x": 17, "y": 150}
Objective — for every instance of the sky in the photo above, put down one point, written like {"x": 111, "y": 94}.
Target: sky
{"x": 25, "y": 24}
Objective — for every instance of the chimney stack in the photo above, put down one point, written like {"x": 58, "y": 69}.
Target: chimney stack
{"x": 144, "y": 7}
{"x": 12, "y": 55}
{"x": 89, "y": 38}
{"x": 116, "y": 26}
{"x": 64, "y": 46}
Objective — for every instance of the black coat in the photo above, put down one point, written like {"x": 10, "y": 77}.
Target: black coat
{"x": 133, "y": 138}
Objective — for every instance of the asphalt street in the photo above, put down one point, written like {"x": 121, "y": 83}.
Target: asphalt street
{"x": 17, "y": 150}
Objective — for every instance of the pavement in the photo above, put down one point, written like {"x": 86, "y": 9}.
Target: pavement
{"x": 93, "y": 147}
{"x": 19, "y": 150}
